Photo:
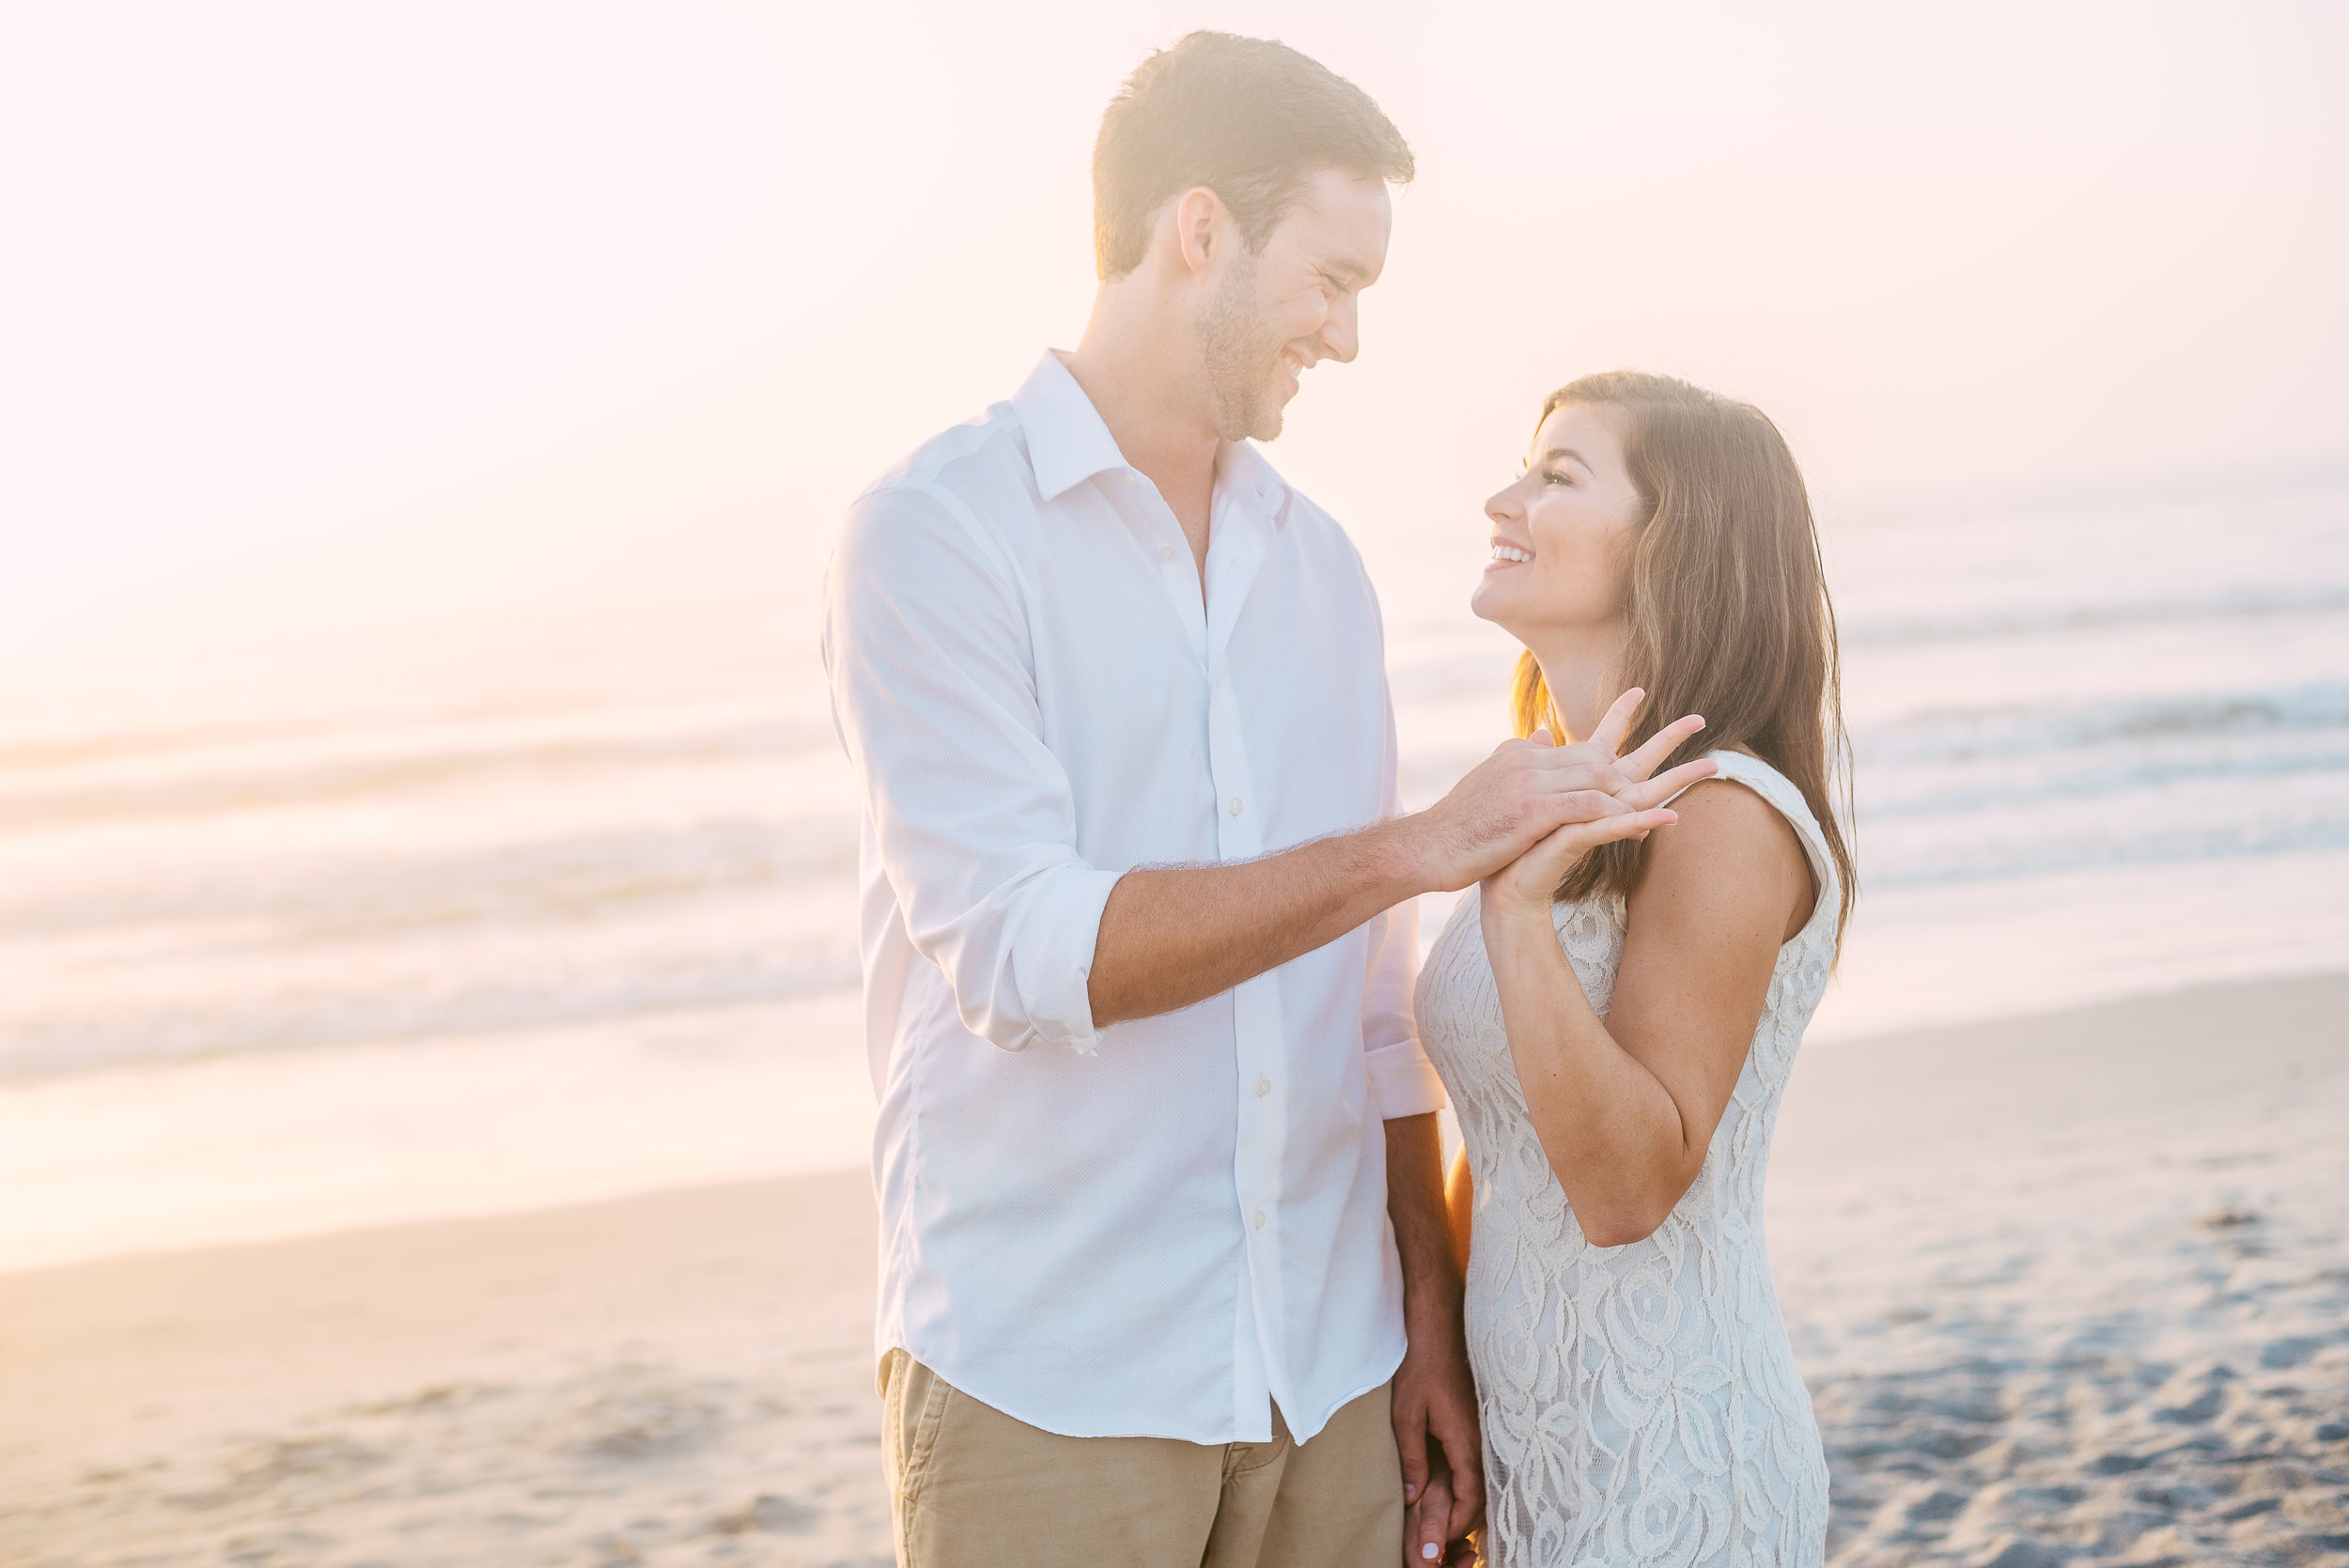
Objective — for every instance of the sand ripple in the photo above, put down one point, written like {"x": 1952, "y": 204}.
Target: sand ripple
{"x": 2092, "y": 1320}
{"x": 636, "y": 1461}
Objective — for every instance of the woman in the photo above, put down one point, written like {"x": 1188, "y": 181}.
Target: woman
{"x": 1615, "y": 1015}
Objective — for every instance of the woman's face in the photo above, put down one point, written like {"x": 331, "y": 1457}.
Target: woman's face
{"x": 1561, "y": 534}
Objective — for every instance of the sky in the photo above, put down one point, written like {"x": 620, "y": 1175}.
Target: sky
{"x": 317, "y": 317}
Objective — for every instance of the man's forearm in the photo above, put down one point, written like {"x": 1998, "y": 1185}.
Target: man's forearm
{"x": 1175, "y": 934}
{"x": 1422, "y": 1229}
{"x": 1171, "y": 936}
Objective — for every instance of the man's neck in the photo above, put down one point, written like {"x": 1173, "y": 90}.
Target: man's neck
{"x": 1141, "y": 389}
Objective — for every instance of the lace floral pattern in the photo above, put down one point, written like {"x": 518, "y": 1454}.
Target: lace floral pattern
{"x": 1641, "y": 1403}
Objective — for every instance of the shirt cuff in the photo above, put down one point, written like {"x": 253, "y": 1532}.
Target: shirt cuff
{"x": 1060, "y": 1010}
{"x": 1403, "y": 1082}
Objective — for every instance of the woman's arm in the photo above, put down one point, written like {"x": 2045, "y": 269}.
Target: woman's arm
{"x": 1625, "y": 1106}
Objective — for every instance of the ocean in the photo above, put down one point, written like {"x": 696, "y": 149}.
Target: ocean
{"x": 471, "y": 919}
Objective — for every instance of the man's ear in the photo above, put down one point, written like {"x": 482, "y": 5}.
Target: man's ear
{"x": 1202, "y": 227}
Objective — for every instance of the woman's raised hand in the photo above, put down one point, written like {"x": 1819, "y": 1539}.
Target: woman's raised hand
{"x": 1528, "y": 882}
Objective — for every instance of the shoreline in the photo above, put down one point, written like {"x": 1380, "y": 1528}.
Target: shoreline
{"x": 2035, "y": 1272}
{"x": 274, "y": 1116}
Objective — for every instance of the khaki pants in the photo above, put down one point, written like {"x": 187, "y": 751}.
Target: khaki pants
{"x": 970, "y": 1487}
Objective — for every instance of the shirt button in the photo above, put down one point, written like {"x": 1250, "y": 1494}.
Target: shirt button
{"x": 1237, "y": 806}
{"x": 1166, "y": 552}
{"x": 1263, "y": 1087}
{"x": 1259, "y": 1219}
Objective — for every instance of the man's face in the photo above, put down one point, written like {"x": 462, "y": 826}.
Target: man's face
{"x": 1275, "y": 313}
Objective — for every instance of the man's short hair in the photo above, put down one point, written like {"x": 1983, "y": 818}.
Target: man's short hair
{"x": 1251, "y": 119}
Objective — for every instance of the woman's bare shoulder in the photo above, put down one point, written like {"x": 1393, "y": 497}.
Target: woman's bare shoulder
{"x": 1729, "y": 845}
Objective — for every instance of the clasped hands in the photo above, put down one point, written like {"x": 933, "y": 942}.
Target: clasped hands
{"x": 1522, "y": 817}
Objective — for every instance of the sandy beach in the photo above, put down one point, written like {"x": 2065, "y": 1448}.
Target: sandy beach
{"x": 2072, "y": 1289}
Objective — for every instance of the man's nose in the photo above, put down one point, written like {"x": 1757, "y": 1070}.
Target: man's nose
{"x": 1341, "y": 333}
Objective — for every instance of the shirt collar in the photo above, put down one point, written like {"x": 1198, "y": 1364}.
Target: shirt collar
{"x": 1068, "y": 444}
{"x": 1243, "y": 473}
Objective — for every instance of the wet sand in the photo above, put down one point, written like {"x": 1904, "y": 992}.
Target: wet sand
{"x": 2068, "y": 1290}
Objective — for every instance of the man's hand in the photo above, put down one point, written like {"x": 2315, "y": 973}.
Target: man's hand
{"x": 1528, "y": 789}
{"x": 1530, "y": 882}
{"x": 1436, "y": 1434}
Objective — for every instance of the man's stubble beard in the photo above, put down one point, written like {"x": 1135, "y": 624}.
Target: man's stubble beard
{"x": 1237, "y": 351}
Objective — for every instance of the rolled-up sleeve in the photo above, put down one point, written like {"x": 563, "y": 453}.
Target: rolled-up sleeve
{"x": 933, "y": 690}
{"x": 1403, "y": 1082}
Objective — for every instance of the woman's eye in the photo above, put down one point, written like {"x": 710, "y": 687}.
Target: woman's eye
{"x": 1555, "y": 476}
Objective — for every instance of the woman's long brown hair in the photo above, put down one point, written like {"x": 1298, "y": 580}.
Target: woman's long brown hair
{"x": 1727, "y": 603}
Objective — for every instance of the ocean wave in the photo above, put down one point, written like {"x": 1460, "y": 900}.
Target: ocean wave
{"x": 2045, "y": 729}
{"x": 2063, "y": 747}
{"x": 1953, "y": 861}
{"x": 1897, "y": 629}
{"x": 288, "y": 1024}
{"x": 1447, "y": 674}
{"x": 1928, "y": 793}
{"x": 214, "y": 780}
{"x": 568, "y": 879}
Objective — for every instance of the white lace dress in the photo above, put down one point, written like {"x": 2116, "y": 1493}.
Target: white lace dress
{"x": 1641, "y": 1403}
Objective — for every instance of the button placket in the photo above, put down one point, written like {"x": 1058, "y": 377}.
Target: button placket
{"x": 1239, "y": 548}
{"x": 1137, "y": 504}
{"x": 1262, "y": 1155}
{"x": 1239, "y": 831}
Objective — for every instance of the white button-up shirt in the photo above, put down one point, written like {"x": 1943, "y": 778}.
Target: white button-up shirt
{"x": 1152, "y": 1228}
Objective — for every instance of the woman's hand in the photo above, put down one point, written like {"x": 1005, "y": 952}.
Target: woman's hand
{"x": 1425, "y": 1526}
{"x": 1526, "y": 886}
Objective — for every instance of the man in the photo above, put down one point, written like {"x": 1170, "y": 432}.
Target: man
{"x": 1165, "y": 1276}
